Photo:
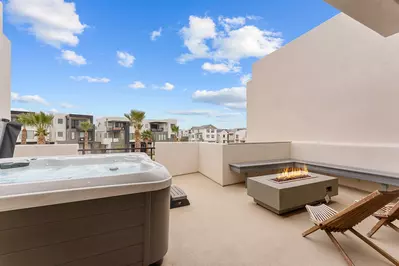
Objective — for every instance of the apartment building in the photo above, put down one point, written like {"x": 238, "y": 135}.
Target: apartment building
{"x": 205, "y": 133}
{"x": 240, "y": 136}
{"x": 66, "y": 129}
{"x": 5, "y": 72}
{"x": 225, "y": 136}
{"x": 113, "y": 132}
{"x": 161, "y": 129}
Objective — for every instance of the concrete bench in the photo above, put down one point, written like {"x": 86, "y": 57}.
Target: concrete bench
{"x": 384, "y": 178}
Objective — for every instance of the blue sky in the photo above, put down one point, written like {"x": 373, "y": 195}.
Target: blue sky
{"x": 172, "y": 59}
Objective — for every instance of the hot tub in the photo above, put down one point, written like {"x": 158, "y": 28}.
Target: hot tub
{"x": 83, "y": 210}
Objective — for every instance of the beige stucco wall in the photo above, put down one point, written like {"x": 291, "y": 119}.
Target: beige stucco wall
{"x": 5, "y": 72}
{"x": 250, "y": 152}
{"x": 178, "y": 157}
{"x": 378, "y": 157}
{"x": 36, "y": 150}
{"x": 337, "y": 83}
{"x": 211, "y": 161}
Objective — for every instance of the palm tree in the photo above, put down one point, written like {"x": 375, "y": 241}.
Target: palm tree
{"x": 175, "y": 129}
{"x": 41, "y": 121}
{"x": 136, "y": 118}
{"x": 146, "y": 135}
{"x": 25, "y": 120}
{"x": 86, "y": 126}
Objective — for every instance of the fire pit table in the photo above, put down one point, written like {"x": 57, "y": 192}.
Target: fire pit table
{"x": 282, "y": 195}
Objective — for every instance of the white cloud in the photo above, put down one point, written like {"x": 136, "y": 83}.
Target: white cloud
{"x": 54, "y": 22}
{"x": 19, "y": 109}
{"x": 252, "y": 17}
{"x": 245, "y": 78}
{"x": 167, "y": 87}
{"x": 192, "y": 112}
{"x": 90, "y": 79}
{"x": 53, "y": 110}
{"x": 231, "y": 23}
{"x": 248, "y": 41}
{"x": 221, "y": 68}
{"x": 137, "y": 85}
{"x": 156, "y": 34}
{"x": 234, "y": 98}
{"x": 208, "y": 113}
{"x": 239, "y": 105}
{"x": 195, "y": 36}
{"x": 67, "y": 105}
{"x": 232, "y": 40}
{"x": 228, "y": 115}
{"x": 73, "y": 58}
{"x": 125, "y": 59}
{"x": 15, "y": 97}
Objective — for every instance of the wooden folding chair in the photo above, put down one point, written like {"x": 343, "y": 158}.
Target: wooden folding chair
{"x": 386, "y": 215}
{"x": 329, "y": 220}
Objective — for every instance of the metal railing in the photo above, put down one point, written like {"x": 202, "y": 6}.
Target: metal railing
{"x": 149, "y": 150}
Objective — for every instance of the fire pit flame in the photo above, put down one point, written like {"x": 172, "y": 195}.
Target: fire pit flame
{"x": 292, "y": 173}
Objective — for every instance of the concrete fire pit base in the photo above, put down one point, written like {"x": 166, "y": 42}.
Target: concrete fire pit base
{"x": 291, "y": 195}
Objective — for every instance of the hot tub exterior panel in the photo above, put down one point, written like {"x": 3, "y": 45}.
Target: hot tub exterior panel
{"x": 107, "y": 231}
{"x": 159, "y": 233}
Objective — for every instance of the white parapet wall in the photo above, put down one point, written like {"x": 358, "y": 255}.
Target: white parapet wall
{"x": 36, "y": 150}
{"x": 5, "y": 72}
{"x": 213, "y": 159}
{"x": 251, "y": 152}
{"x": 379, "y": 157}
{"x": 179, "y": 157}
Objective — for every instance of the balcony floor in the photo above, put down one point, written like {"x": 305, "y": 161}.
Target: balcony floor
{"x": 223, "y": 226}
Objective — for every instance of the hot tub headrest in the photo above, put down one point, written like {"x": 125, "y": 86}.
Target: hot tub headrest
{"x": 9, "y": 132}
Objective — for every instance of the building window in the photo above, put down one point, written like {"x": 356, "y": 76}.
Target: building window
{"x": 207, "y": 136}
{"x": 81, "y": 134}
{"x": 60, "y": 121}
{"x": 60, "y": 134}
{"x": 213, "y": 136}
{"x": 208, "y": 130}
{"x": 224, "y": 135}
{"x": 30, "y": 134}
{"x": 224, "y": 141}
{"x": 72, "y": 135}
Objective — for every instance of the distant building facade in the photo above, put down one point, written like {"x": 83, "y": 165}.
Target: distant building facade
{"x": 113, "y": 132}
{"x": 205, "y": 133}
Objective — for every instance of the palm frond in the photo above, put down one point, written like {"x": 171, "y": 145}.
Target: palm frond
{"x": 86, "y": 126}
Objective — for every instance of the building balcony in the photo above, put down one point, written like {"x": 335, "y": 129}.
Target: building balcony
{"x": 250, "y": 234}
{"x": 157, "y": 130}
{"x": 224, "y": 226}
{"x": 115, "y": 128}
{"x": 108, "y": 141}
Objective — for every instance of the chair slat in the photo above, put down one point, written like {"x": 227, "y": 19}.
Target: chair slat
{"x": 327, "y": 217}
